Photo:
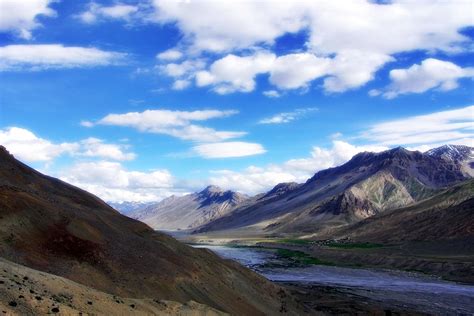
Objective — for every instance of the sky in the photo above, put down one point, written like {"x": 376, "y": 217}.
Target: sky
{"x": 140, "y": 100}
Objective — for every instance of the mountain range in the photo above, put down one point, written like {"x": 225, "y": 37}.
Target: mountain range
{"x": 366, "y": 185}
{"x": 189, "y": 211}
{"x": 81, "y": 247}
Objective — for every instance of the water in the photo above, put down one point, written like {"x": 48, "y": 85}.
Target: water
{"x": 249, "y": 257}
{"x": 426, "y": 293}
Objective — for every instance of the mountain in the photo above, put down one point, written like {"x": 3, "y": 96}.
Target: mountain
{"x": 54, "y": 227}
{"x": 462, "y": 155}
{"x": 368, "y": 184}
{"x": 189, "y": 211}
{"x": 127, "y": 207}
{"x": 448, "y": 215}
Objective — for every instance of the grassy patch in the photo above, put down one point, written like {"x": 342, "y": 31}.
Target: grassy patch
{"x": 301, "y": 257}
{"x": 365, "y": 245}
{"x": 295, "y": 241}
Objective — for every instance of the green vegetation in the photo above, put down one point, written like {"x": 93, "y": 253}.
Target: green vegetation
{"x": 301, "y": 257}
{"x": 365, "y": 245}
{"x": 295, "y": 241}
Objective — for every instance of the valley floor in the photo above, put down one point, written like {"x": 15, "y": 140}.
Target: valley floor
{"x": 431, "y": 262}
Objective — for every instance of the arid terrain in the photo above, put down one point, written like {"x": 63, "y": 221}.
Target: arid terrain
{"x": 53, "y": 227}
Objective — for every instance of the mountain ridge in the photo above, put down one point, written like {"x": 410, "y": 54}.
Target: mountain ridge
{"x": 367, "y": 184}
{"x": 189, "y": 211}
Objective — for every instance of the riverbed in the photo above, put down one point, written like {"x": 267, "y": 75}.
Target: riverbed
{"x": 402, "y": 289}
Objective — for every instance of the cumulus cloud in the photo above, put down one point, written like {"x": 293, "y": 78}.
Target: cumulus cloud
{"x": 112, "y": 182}
{"x": 54, "y": 56}
{"x": 94, "y": 147}
{"x": 228, "y": 149}
{"x": 174, "y": 123}
{"x": 20, "y": 17}
{"x": 254, "y": 179}
{"x": 95, "y": 12}
{"x": 181, "y": 84}
{"x": 234, "y": 73}
{"x": 186, "y": 68}
{"x": 28, "y": 147}
{"x": 348, "y": 42}
{"x": 365, "y": 26}
{"x": 170, "y": 55}
{"x": 430, "y": 74}
{"x": 348, "y": 70}
{"x": 352, "y": 69}
{"x": 286, "y": 117}
{"x": 295, "y": 71}
{"x": 429, "y": 130}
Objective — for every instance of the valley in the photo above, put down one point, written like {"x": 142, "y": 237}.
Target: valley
{"x": 384, "y": 233}
{"x": 381, "y": 289}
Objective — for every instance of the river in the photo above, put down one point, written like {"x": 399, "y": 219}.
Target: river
{"x": 423, "y": 293}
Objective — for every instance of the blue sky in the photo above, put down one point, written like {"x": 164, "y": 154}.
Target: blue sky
{"x": 140, "y": 100}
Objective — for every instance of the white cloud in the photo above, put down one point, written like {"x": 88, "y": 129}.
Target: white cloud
{"x": 95, "y": 12}
{"x": 215, "y": 26}
{"x": 183, "y": 73}
{"x": 347, "y": 41}
{"x": 254, "y": 179}
{"x": 181, "y": 84}
{"x": 233, "y": 73}
{"x": 348, "y": 70}
{"x": 286, "y": 117}
{"x": 53, "y": 56}
{"x": 28, "y": 147}
{"x": 174, "y": 123}
{"x": 365, "y": 26}
{"x": 271, "y": 93}
{"x": 228, "y": 149}
{"x": 431, "y": 129}
{"x": 295, "y": 71}
{"x": 185, "y": 68}
{"x": 86, "y": 124}
{"x": 112, "y": 182}
{"x": 94, "y": 147}
{"x": 20, "y": 17}
{"x": 170, "y": 55}
{"x": 430, "y": 74}
{"x": 352, "y": 69}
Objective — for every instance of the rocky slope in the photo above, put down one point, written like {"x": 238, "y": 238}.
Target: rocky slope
{"x": 448, "y": 215}
{"x": 51, "y": 226}
{"x": 189, "y": 211}
{"x": 24, "y": 291}
{"x": 368, "y": 184}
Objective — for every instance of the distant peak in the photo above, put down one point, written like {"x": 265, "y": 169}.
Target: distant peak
{"x": 211, "y": 189}
{"x": 452, "y": 152}
{"x": 399, "y": 149}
